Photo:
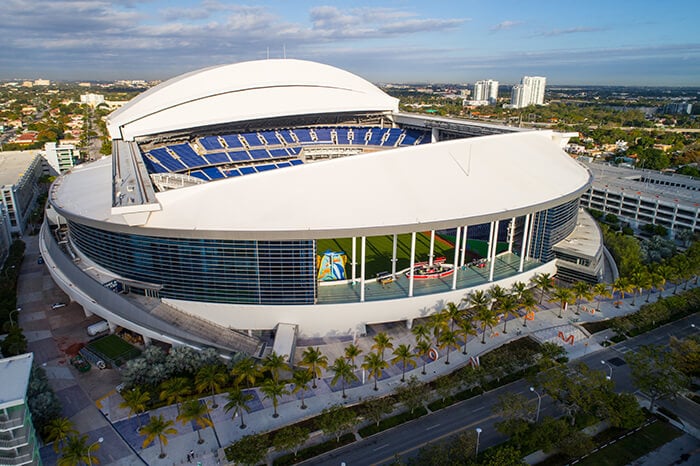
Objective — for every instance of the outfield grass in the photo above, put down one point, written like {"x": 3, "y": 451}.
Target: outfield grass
{"x": 630, "y": 448}
{"x": 114, "y": 348}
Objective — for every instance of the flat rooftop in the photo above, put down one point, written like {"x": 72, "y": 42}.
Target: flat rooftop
{"x": 585, "y": 240}
{"x": 15, "y": 372}
{"x": 648, "y": 183}
{"x": 13, "y": 164}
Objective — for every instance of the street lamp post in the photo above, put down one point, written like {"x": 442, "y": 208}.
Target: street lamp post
{"x": 539, "y": 404}
{"x": 609, "y": 376}
{"x": 12, "y": 322}
{"x": 99, "y": 440}
{"x": 478, "y": 434}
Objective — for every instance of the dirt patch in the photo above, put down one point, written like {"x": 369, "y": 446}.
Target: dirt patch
{"x": 73, "y": 349}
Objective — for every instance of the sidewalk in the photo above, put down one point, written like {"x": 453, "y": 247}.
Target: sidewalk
{"x": 260, "y": 418}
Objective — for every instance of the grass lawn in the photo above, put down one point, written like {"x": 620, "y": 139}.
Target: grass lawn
{"x": 114, "y": 348}
{"x": 633, "y": 446}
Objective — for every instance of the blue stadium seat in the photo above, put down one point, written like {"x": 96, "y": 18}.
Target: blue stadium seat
{"x": 211, "y": 143}
{"x": 411, "y": 136}
{"x": 231, "y": 173}
{"x": 200, "y": 174}
{"x": 323, "y": 135}
{"x": 217, "y": 158}
{"x": 303, "y": 135}
{"x": 259, "y": 154}
{"x": 376, "y": 137}
{"x": 252, "y": 139}
{"x": 293, "y": 150}
{"x": 247, "y": 170}
{"x": 265, "y": 168}
{"x": 187, "y": 155}
{"x": 296, "y": 162}
{"x": 277, "y": 153}
{"x": 270, "y": 137}
{"x": 342, "y": 136}
{"x": 359, "y": 136}
{"x": 283, "y": 164}
{"x": 393, "y": 138}
{"x": 167, "y": 160}
{"x": 213, "y": 172}
{"x": 232, "y": 140}
{"x": 239, "y": 156}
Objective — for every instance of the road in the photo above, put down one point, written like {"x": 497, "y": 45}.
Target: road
{"x": 405, "y": 440}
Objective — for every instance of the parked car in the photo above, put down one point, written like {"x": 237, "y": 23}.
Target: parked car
{"x": 58, "y": 305}
{"x": 40, "y": 260}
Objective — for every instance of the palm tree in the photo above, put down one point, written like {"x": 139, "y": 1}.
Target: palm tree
{"x": 175, "y": 390}
{"x": 657, "y": 282}
{"x": 238, "y": 402}
{"x": 518, "y": 289}
{"x": 351, "y": 352}
{"x": 76, "y": 451}
{"x": 314, "y": 360}
{"x": 478, "y": 299}
{"x": 382, "y": 342}
{"x": 273, "y": 363}
{"x": 529, "y": 303}
{"x": 543, "y": 281}
{"x": 405, "y": 355}
{"x": 421, "y": 332}
{"x": 375, "y": 365}
{"x": 562, "y": 296}
{"x": 273, "y": 390}
{"x": 158, "y": 428}
{"x": 343, "y": 371}
{"x": 487, "y": 318}
{"x": 509, "y": 307}
{"x": 135, "y": 401}
{"x": 210, "y": 378}
{"x": 466, "y": 328}
{"x": 581, "y": 290}
{"x": 622, "y": 286}
{"x": 57, "y": 430}
{"x": 639, "y": 280}
{"x": 246, "y": 369}
{"x": 600, "y": 291}
{"x": 301, "y": 379}
{"x": 422, "y": 350}
{"x": 497, "y": 293}
{"x": 448, "y": 339}
{"x": 438, "y": 324}
{"x": 194, "y": 411}
{"x": 666, "y": 274}
{"x": 452, "y": 312}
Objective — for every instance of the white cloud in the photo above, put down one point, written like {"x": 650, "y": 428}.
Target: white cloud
{"x": 505, "y": 25}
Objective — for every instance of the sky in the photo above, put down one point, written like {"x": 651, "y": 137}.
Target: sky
{"x": 586, "y": 42}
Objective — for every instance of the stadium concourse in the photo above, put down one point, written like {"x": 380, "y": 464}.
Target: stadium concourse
{"x": 225, "y": 212}
{"x": 545, "y": 327}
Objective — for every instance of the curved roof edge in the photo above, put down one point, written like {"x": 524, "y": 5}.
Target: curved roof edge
{"x": 246, "y": 91}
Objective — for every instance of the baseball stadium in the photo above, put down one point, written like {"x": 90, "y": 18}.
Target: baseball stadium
{"x": 292, "y": 196}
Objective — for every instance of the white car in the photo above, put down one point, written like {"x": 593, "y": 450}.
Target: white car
{"x": 58, "y": 305}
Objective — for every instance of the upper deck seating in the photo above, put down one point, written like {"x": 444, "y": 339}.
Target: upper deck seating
{"x": 239, "y": 156}
{"x": 276, "y": 153}
{"x": 259, "y": 154}
{"x": 342, "y": 134}
{"x": 303, "y": 135}
{"x": 359, "y": 135}
{"x": 270, "y": 137}
{"x": 187, "y": 155}
{"x": 218, "y": 158}
{"x": 213, "y": 172}
{"x": 167, "y": 160}
{"x": 232, "y": 141}
{"x": 392, "y": 137}
{"x": 376, "y": 137}
{"x": 323, "y": 135}
{"x": 211, "y": 143}
{"x": 252, "y": 139}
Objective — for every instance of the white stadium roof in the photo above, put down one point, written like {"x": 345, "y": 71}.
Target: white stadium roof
{"x": 246, "y": 91}
{"x": 427, "y": 187}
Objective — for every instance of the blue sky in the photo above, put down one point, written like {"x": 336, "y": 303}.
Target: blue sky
{"x": 617, "y": 42}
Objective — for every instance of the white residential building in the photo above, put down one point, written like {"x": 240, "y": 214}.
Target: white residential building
{"x": 93, "y": 100}
{"x": 61, "y": 157}
{"x": 530, "y": 91}
{"x": 486, "y": 90}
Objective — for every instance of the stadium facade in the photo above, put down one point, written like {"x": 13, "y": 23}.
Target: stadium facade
{"x": 211, "y": 219}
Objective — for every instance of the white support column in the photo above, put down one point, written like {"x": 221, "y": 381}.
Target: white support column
{"x": 523, "y": 247}
{"x": 434, "y": 135}
{"x": 413, "y": 262}
{"x": 490, "y": 244}
{"x": 363, "y": 244}
{"x": 456, "y": 268}
{"x": 529, "y": 235}
{"x": 464, "y": 246}
{"x": 112, "y": 326}
{"x": 492, "y": 259}
{"x": 354, "y": 259}
{"x": 146, "y": 340}
{"x": 511, "y": 234}
{"x": 393, "y": 256}
{"x": 431, "y": 255}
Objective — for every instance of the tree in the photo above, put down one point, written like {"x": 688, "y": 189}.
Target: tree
{"x": 290, "y": 438}
{"x": 58, "y": 430}
{"x": 336, "y": 420}
{"x": 343, "y": 371}
{"x": 448, "y": 340}
{"x": 314, "y": 360}
{"x": 622, "y": 286}
{"x": 301, "y": 379}
{"x": 528, "y": 303}
{"x": 135, "y": 401}
{"x": 249, "y": 450}
{"x": 504, "y": 455}
{"x": 405, "y": 356}
{"x": 210, "y": 378}
{"x": 466, "y": 328}
{"x": 375, "y": 365}
{"x": 158, "y": 428}
{"x": 515, "y": 407}
{"x": 543, "y": 281}
{"x": 509, "y": 307}
{"x": 438, "y": 324}
{"x": 562, "y": 296}
{"x": 445, "y": 385}
{"x": 497, "y": 293}
{"x": 413, "y": 393}
{"x": 600, "y": 291}
{"x": 453, "y": 313}
{"x": 487, "y": 318}
{"x": 194, "y": 411}
{"x": 246, "y": 369}
{"x": 274, "y": 363}
{"x": 175, "y": 390}
{"x": 76, "y": 451}
{"x": 382, "y": 342}
{"x": 273, "y": 390}
{"x": 375, "y": 409}
{"x": 422, "y": 351}
{"x": 421, "y": 332}
{"x": 685, "y": 354}
{"x": 352, "y": 351}
{"x": 581, "y": 291}
{"x": 653, "y": 373}
{"x": 238, "y": 402}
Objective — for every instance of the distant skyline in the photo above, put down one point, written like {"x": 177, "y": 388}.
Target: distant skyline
{"x": 593, "y": 42}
